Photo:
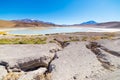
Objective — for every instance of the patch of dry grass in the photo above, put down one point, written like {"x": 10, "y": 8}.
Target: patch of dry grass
{"x": 46, "y": 76}
{"x": 110, "y": 35}
{"x": 3, "y": 33}
{"x": 12, "y": 76}
{"x": 84, "y": 38}
{"x": 74, "y": 38}
{"x": 23, "y": 40}
{"x": 93, "y": 38}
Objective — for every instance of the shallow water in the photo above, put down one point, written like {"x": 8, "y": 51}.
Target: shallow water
{"x": 60, "y": 30}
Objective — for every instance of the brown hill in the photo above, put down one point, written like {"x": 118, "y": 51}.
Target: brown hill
{"x": 6, "y": 24}
{"x": 110, "y": 24}
{"x": 32, "y": 24}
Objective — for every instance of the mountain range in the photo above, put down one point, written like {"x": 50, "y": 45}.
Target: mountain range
{"x": 25, "y": 23}
{"x": 38, "y": 23}
{"x": 112, "y": 24}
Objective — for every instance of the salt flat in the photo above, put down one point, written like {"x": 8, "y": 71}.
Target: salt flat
{"x": 54, "y": 30}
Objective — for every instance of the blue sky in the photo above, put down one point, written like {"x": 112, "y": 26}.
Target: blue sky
{"x": 61, "y": 11}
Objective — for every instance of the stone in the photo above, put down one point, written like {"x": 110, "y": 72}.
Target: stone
{"x": 74, "y": 59}
{"x": 3, "y": 72}
{"x": 62, "y": 44}
{"x": 31, "y": 75}
{"x": 26, "y": 57}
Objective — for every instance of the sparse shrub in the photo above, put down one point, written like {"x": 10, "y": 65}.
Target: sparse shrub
{"x": 20, "y": 42}
{"x": 51, "y": 41}
{"x": 74, "y": 38}
{"x": 104, "y": 37}
{"x": 84, "y": 38}
{"x": 110, "y": 35}
{"x": 95, "y": 38}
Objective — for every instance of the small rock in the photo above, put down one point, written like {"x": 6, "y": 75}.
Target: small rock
{"x": 86, "y": 76}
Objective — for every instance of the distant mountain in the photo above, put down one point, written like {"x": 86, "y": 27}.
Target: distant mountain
{"x": 25, "y": 23}
{"x": 113, "y": 24}
{"x": 89, "y": 23}
{"x": 37, "y": 23}
{"x": 32, "y": 23}
{"x": 28, "y": 20}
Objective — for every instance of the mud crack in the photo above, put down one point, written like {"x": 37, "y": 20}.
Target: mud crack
{"x": 62, "y": 44}
{"x": 102, "y": 58}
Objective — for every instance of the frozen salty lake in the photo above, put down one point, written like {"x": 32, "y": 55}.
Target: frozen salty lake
{"x": 54, "y": 30}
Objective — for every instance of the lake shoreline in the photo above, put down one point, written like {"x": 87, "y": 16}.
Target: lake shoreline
{"x": 53, "y": 30}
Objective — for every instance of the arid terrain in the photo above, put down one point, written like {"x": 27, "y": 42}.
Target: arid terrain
{"x": 70, "y": 56}
{"x": 59, "y": 39}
